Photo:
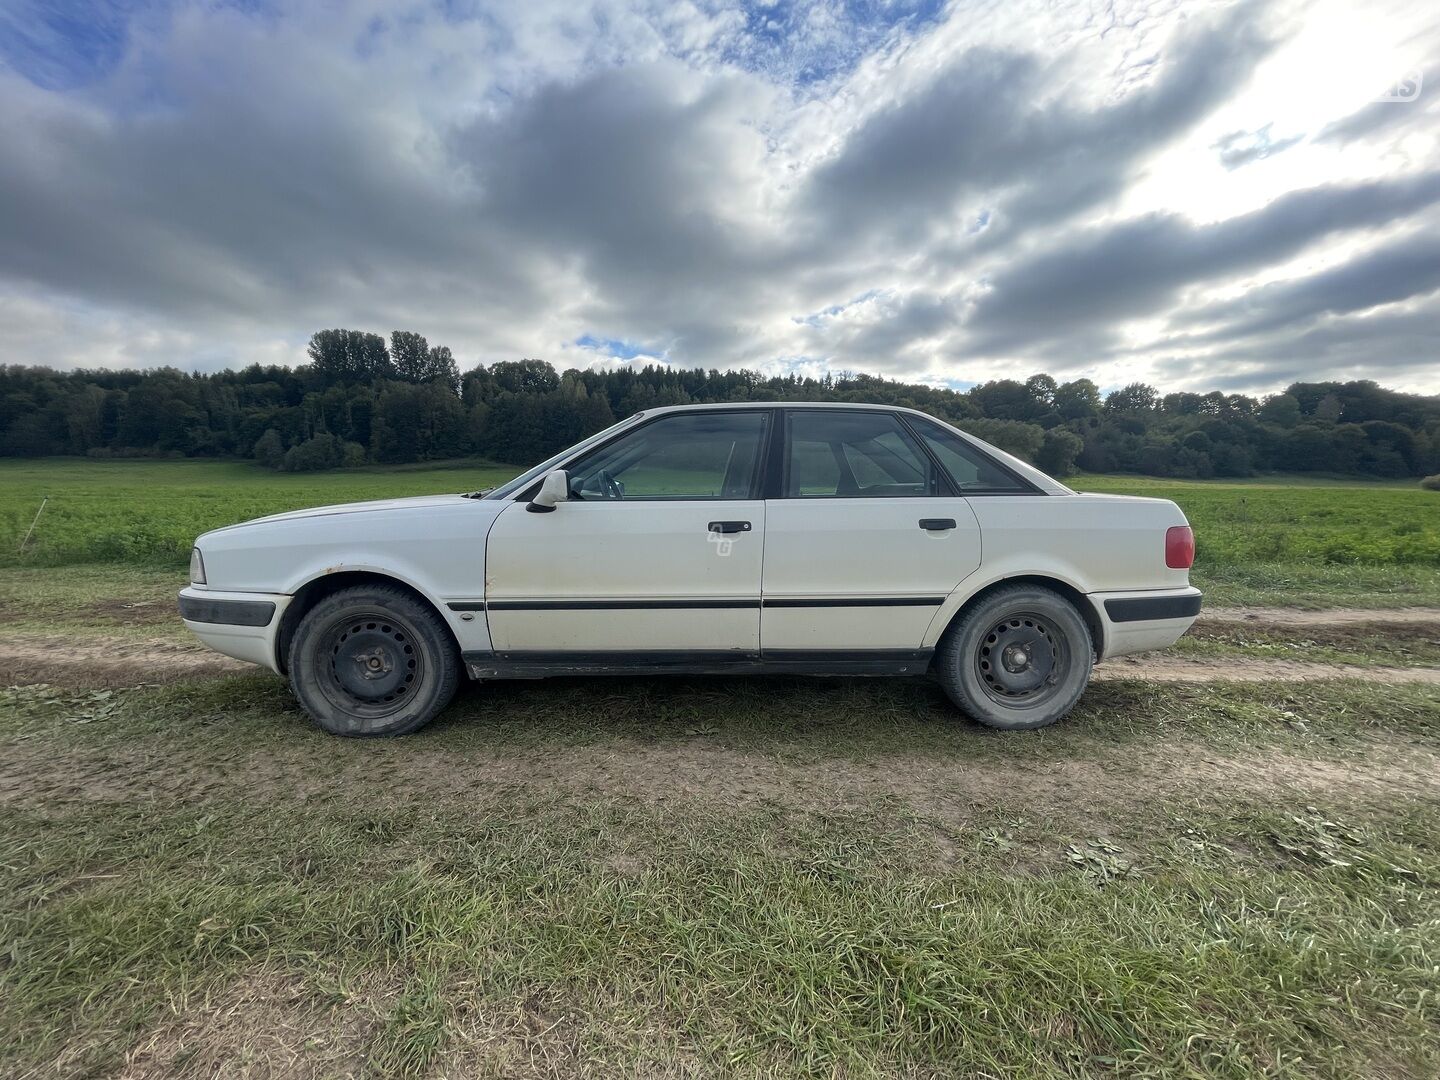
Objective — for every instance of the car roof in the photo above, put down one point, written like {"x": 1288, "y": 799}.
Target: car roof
{"x": 709, "y": 405}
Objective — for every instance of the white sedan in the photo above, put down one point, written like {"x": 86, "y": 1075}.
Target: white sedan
{"x": 754, "y": 538}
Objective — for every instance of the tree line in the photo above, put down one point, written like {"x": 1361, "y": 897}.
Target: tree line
{"x": 361, "y": 399}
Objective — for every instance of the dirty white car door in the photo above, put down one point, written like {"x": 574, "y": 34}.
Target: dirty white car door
{"x": 657, "y": 551}
{"x": 866, "y": 541}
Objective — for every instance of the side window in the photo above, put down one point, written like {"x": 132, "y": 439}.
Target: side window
{"x": 700, "y": 455}
{"x": 972, "y": 472}
{"x": 865, "y": 455}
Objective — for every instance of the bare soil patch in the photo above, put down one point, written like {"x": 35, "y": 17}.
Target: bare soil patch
{"x": 104, "y": 662}
{"x": 1273, "y": 616}
{"x": 1105, "y": 780}
{"x": 265, "y": 1024}
{"x": 1165, "y": 667}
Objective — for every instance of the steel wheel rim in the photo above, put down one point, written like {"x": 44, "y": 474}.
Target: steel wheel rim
{"x": 370, "y": 663}
{"x": 1021, "y": 660}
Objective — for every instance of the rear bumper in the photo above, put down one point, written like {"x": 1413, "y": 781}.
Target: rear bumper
{"x": 242, "y": 625}
{"x": 1143, "y": 620}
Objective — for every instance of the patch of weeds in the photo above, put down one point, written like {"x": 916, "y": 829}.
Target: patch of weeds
{"x": 42, "y": 701}
{"x": 1100, "y": 861}
{"x": 1319, "y": 840}
{"x": 997, "y": 839}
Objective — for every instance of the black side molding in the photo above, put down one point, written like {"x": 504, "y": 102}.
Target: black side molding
{"x": 542, "y": 665}
{"x": 227, "y": 612}
{"x": 1144, "y": 608}
{"x": 682, "y": 605}
{"x": 856, "y": 601}
{"x": 604, "y": 605}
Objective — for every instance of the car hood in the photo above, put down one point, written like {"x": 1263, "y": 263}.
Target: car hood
{"x": 414, "y": 502}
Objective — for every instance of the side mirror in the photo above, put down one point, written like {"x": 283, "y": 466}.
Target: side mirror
{"x": 555, "y": 488}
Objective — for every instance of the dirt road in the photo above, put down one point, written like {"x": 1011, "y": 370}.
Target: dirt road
{"x": 102, "y": 661}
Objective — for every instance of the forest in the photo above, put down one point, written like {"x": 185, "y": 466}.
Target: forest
{"x": 362, "y": 399}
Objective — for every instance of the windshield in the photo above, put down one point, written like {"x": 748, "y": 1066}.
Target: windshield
{"x": 510, "y": 487}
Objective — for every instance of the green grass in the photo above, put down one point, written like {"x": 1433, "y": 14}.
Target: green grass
{"x": 149, "y": 512}
{"x": 587, "y": 878}
{"x": 1285, "y": 521}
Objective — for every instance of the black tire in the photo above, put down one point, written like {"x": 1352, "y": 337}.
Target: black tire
{"x": 398, "y": 670}
{"x": 1017, "y": 660}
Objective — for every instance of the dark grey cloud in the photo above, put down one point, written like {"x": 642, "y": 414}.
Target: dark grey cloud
{"x": 1394, "y": 347}
{"x": 1103, "y": 276}
{"x": 1399, "y": 271}
{"x": 631, "y": 174}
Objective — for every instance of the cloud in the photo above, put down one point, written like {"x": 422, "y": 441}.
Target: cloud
{"x": 1239, "y": 148}
{"x": 1106, "y": 275}
{"x": 1396, "y": 272}
{"x": 1002, "y": 125}
{"x": 931, "y": 191}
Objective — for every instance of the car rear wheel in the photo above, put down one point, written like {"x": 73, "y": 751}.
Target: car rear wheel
{"x": 1017, "y": 660}
{"x": 373, "y": 661}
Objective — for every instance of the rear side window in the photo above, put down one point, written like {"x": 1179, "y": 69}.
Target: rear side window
{"x": 853, "y": 455}
{"x": 972, "y": 472}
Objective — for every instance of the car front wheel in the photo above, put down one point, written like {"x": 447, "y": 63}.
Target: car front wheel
{"x": 372, "y": 661}
{"x": 1017, "y": 660}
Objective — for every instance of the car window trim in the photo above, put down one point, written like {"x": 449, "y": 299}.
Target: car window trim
{"x": 755, "y": 493}
{"x": 780, "y": 471}
{"x": 1025, "y": 486}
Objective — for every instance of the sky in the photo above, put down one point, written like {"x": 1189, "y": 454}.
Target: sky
{"x": 1198, "y": 195}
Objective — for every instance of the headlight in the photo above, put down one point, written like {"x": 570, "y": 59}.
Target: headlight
{"x": 197, "y": 567}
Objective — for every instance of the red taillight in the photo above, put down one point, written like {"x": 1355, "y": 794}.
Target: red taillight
{"x": 1179, "y": 547}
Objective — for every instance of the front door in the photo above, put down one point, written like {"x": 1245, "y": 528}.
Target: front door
{"x": 657, "y": 554}
{"x": 866, "y": 541}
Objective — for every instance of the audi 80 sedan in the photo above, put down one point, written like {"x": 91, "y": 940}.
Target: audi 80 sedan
{"x": 827, "y": 539}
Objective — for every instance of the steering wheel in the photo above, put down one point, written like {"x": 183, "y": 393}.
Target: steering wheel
{"x": 609, "y": 486}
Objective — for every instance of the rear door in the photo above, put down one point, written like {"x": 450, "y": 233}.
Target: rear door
{"x": 865, "y": 541}
{"x": 655, "y": 557}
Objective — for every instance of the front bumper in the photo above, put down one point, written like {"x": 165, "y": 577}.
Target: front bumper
{"x": 242, "y": 625}
{"x": 1144, "y": 620}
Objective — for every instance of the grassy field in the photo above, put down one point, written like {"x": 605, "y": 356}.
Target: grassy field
{"x": 741, "y": 877}
{"x": 1272, "y": 541}
{"x": 705, "y": 877}
{"x": 149, "y": 512}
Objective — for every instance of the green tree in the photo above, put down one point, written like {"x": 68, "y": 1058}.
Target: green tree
{"x": 1077, "y": 400}
{"x": 1134, "y": 398}
{"x": 440, "y": 367}
{"x": 1281, "y": 409}
{"x": 410, "y": 354}
{"x": 1058, "y": 452}
{"x": 269, "y": 449}
{"x": 524, "y": 376}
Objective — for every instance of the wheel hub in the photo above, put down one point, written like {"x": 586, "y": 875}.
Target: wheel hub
{"x": 1019, "y": 659}
{"x": 376, "y": 663}
{"x": 1015, "y": 659}
{"x": 373, "y": 660}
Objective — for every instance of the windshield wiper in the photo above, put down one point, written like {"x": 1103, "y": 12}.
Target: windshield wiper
{"x": 477, "y": 494}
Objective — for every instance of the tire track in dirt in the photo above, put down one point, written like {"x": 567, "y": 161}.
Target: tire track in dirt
{"x": 1270, "y": 616}
{"x": 106, "y": 662}
{"x": 1163, "y": 667}
{"x": 111, "y": 662}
